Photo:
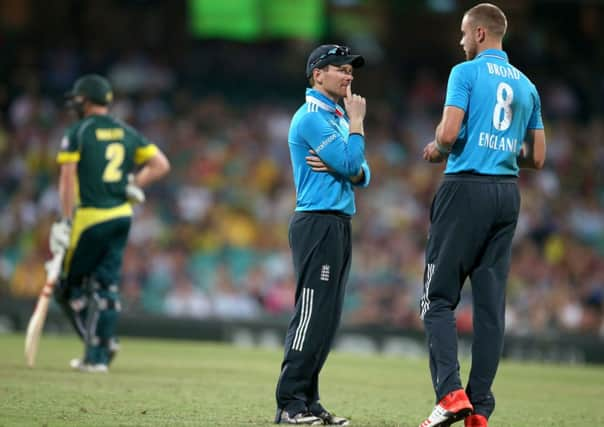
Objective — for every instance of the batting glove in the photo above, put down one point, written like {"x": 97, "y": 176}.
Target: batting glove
{"x": 60, "y": 233}
{"x": 134, "y": 193}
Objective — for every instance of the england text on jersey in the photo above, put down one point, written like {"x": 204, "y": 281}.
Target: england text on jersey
{"x": 495, "y": 142}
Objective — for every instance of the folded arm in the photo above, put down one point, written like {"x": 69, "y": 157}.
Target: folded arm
{"x": 341, "y": 155}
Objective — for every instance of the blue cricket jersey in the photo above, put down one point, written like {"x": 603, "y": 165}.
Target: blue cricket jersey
{"x": 500, "y": 105}
{"x": 322, "y": 125}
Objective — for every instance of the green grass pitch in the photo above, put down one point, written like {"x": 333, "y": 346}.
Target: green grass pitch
{"x": 184, "y": 383}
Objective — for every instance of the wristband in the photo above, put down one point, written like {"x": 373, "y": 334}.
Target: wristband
{"x": 442, "y": 149}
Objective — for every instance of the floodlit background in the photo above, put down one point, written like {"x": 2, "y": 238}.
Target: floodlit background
{"x": 214, "y": 84}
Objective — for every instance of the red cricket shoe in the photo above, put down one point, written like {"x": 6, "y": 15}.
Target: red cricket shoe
{"x": 476, "y": 421}
{"x": 451, "y": 408}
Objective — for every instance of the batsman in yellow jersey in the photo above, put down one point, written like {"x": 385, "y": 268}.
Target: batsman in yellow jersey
{"x": 105, "y": 164}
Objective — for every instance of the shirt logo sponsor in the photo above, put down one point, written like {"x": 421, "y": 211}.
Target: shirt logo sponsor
{"x": 331, "y": 138}
{"x": 64, "y": 143}
{"x": 325, "y": 269}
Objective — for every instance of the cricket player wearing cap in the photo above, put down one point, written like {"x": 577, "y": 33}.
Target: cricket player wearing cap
{"x": 104, "y": 165}
{"x": 327, "y": 149}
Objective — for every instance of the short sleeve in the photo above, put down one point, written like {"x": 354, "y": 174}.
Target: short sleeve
{"x": 145, "y": 150}
{"x": 69, "y": 150}
{"x": 536, "y": 121}
{"x": 459, "y": 87}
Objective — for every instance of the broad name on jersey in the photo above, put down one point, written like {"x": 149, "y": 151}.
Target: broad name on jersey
{"x": 495, "y": 142}
{"x": 503, "y": 71}
{"x": 115, "y": 134}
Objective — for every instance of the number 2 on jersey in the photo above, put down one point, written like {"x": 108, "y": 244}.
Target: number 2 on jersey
{"x": 115, "y": 154}
{"x": 505, "y": 96}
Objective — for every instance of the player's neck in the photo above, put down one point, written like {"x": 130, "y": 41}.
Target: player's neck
{"x": 96, "y": 110}
{"x": 490, "y": 45}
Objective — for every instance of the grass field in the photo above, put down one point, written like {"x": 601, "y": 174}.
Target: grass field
{"x": 183, "y": 383}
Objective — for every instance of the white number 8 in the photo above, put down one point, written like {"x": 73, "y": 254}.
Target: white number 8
{"x": 503, "y": 123}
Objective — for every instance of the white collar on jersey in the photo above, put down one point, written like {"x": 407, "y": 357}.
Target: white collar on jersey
{"x": 337, "y": 110}
{"x": 494, "y": 53}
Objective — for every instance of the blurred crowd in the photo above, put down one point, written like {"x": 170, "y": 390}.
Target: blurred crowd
{"x": 211, "y": 240}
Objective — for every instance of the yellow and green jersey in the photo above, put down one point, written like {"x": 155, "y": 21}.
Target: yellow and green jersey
{"x": 106, "y": 151}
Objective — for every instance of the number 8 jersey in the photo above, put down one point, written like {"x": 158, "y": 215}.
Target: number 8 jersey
{"x": 106, "y": 151}
{"x": 500, "y": 105}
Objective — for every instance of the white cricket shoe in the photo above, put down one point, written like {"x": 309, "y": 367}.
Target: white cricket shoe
{"x": 79, "y": 365}
{"x": 97, "y": 368}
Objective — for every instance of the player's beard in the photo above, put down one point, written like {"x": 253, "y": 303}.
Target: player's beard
{"x": 471, "y": 52}
{"x": 336, "y": 93}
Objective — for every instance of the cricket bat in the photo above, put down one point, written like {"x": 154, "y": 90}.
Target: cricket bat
{"x": 36, "y": 322}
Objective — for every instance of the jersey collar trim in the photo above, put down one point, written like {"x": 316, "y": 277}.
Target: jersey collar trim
{"x": 494, "y": 53}
{"x": 317, "y": 98}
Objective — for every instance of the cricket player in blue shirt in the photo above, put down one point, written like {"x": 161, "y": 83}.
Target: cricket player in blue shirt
{"x": 491, "y": 126}
{"x": 327, "y": 148}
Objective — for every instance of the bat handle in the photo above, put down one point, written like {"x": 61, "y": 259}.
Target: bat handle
{"x": 53, "y": 267}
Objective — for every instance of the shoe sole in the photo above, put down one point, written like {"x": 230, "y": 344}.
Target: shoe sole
{"x": 458, "y": 416}
{"x": 343, "y": 423}
{"x": 293, "y": 421}
{"x": 314, "y": 423}
{"x": 330, "y": 420}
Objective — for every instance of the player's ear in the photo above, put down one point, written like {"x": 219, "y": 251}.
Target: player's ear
{"x": 317, "y": 74}
{"x": 481, "y": 34}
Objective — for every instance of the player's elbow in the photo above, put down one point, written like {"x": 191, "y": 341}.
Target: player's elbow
{"x": 165, "y": 168}
{"x": 161, "y": 165}
{"x": 539, "y": 150}
{"x": 353, "y": 168}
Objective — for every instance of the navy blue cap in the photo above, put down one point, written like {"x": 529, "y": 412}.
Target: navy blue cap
{"x": 332, "y": 54}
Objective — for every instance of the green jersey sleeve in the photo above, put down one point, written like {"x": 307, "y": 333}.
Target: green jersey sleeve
{"x": 144, "y": 148}
{"x": 69, "y": 151}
